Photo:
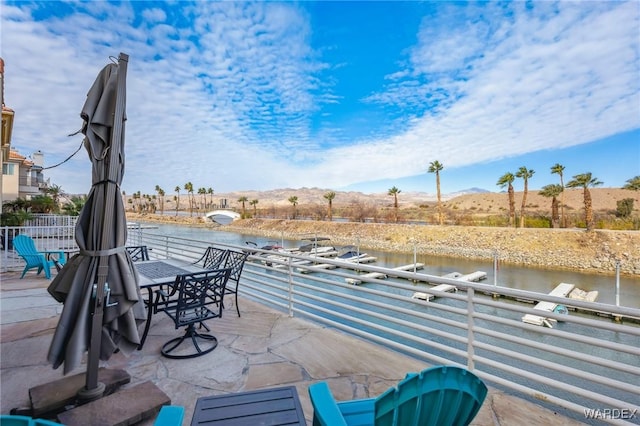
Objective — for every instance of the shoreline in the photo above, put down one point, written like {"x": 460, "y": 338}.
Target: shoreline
{"x": 573, "y": 249}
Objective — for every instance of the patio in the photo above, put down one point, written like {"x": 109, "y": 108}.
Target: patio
{"x": 263, "y": 348}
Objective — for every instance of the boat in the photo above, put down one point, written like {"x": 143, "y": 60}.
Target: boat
{"x": 271, "y": 246}
{"x": 317, "y": 246}
{"x": 351, "y": 254}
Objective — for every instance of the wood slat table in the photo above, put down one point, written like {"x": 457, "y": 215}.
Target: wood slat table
{"x": 264, "y": 407}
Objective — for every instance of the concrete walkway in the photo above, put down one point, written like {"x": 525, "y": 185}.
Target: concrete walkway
{"x": 263, "y": 348}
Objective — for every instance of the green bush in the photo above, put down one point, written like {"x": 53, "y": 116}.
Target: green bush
{"x": 625, "y": 207}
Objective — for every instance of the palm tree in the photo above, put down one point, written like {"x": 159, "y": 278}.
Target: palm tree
{"x": 177, "y": 189}
{"x": 254, "y": 203}
{"x": 210, "y": 192}
{"x": 524, "y": 174}
{"x": 203, "y": 191}
{"x": 55, "y": 192}
{"x": 294, "y": 201}
{"x": 243, "y": 200}
{"x": 436, "y": 167}
{"x": 507, "y": 180}
{"x": 73, "y": 207}
{"x": 552, "y": 191}
{"x": 585, "y": 180}
{"x": 558, "y": 169}
{"x": 395, "y": 191}
{"x": 138, "y": 205}
{"x": 160, "y": 192}
{"x": 633, "y": 184}
{"x": 189, "y": 188}
{"x": 329, "y": 196}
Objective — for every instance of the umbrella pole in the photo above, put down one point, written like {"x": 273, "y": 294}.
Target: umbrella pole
{"x": 94, "y": 389}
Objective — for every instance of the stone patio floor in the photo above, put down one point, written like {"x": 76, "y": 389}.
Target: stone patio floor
{"x": 263, "y": 348}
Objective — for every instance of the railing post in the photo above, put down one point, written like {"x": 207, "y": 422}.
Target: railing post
{"x": 290, "y": 288}
{"x": 470, "y": 330}
{"x": 5, "y": 248}
{"x": 166, "y": 247}
{"x": 617, "y": 283}
{"x": 495, "y": 269}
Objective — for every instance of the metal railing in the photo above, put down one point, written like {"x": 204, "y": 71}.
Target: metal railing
{"x": 587, "y": 364}
{"x": 46, "y": 238}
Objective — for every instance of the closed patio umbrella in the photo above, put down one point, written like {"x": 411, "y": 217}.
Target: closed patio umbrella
{"x": 102, "y": 304}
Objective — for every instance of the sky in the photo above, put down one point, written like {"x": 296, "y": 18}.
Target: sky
{"x": 342, "y": 95}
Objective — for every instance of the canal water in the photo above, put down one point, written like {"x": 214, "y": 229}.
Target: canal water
{"x": 541, "y": 280}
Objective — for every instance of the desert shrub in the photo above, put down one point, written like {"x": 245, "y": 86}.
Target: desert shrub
{"x": 538, "y": 222}
{"x": 497, "y": 221}
{"x": 625, "y": 207}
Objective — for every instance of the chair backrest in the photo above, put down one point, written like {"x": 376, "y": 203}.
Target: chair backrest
{"x": 213, "y": 258}
{"x": 444, "y": 395}
{"x": 195, "y": 294}
{"x": 26, "y": 249}
{"x": 24, "y": 245}
{"x": 235, "y": 261}
{"x": 138, "y": 253}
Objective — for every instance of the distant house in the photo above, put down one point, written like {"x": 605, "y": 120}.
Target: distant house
{"x": 7, "y": 126}
{"x": 21, "y": 176}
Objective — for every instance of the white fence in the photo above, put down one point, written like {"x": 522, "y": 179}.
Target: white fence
{"x": 587, "y": 364}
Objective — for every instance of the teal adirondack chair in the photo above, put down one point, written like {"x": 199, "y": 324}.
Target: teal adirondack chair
{"x": 438, "y": 396}
{"x": 16, "y": 420}
{"x": 26, "y": 248}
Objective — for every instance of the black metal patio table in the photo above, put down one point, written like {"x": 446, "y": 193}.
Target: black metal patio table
{"x": 156, "y": 273}
{"x": 264, "y": 407}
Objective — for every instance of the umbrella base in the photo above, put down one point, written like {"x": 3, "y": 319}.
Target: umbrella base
{"x": 87, "y": 395}
{"x": 127, "y": 406}
{"x": 51, "y": 398}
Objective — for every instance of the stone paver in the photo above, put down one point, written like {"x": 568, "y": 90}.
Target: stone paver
{"x": 263, "y": 348}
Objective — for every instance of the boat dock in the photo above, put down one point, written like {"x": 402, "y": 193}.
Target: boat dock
{"x": 348, "y": 264}
{"x": 412, "y": 266}
{"x": 474, "y": 277}
{"x": 562, "y": 290}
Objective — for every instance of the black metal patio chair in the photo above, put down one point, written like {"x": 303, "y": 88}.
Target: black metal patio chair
{"x": 213, "y": 258}
{"x": 138, "y": 253}
{"x": 192, "y": 306}
{"x": 235, "y": 261}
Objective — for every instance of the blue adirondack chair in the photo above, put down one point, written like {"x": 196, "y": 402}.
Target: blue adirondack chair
{"x": 26, "y": 248}
{"x": 438, "y": 396}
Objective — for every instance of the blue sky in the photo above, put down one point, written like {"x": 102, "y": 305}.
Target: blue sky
{"x": 336, "y": 95}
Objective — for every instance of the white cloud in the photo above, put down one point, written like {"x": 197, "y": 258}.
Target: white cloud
{"x": 224, "y": 94}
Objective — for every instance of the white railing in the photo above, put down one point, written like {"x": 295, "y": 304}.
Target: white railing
{"x": 46, "y": 238}
{"x": 51, "y": 220}
{"x": 588, "y": 364}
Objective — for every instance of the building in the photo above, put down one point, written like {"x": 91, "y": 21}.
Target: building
{"x": 7, "y": 127}
{"x": 22, "y": 177}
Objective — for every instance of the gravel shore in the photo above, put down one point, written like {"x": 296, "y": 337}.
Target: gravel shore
{"x": 574, "y": 249}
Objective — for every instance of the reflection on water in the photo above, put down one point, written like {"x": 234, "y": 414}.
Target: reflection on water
{"x": 517, "y": 277}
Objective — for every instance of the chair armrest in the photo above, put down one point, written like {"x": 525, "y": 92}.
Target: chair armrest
{"x": 163, "y": 298}
{"x": 61, "y": 256}
{"x": 325, "y": 408}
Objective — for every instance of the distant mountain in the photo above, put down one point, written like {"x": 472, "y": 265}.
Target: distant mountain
{"x": 280, "y": 197}
{"x": 473, "y": 190}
